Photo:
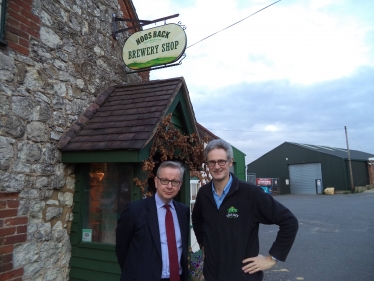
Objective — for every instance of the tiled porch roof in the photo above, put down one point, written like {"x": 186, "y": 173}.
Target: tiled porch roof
{"x": 124, "y": 117}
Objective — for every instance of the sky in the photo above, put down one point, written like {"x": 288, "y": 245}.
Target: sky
{"x": 297, "y": 71}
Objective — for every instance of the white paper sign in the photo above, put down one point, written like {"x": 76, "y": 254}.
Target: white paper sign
{"x": 87, "y": 235}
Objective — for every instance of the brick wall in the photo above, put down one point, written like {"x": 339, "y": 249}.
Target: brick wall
{"x": 21, "y": 25}
{"x": 13, "y": 230}
{"x": 371, "y": 173}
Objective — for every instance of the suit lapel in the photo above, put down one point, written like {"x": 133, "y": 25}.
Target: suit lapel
{"x": 153, "y": 223}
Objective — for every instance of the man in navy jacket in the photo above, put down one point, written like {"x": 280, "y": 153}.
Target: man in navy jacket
{"x": 141, "y": 241}
{"x": 226, "y": 219}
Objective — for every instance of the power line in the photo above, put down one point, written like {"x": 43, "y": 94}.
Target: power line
{"x": 233, "y": 24}
{"x": 351, "y": 136}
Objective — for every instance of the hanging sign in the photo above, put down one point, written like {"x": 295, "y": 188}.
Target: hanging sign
{"x": 156, "y": 46}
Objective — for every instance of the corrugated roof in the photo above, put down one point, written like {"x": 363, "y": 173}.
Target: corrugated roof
{"x": 339, "y": 152}
{"x": 124, "y": 117}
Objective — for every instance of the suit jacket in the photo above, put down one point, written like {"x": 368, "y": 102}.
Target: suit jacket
{"x": 138, "y": 246}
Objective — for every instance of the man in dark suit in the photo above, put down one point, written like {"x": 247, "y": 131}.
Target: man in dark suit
{"x": 146, "y": 248}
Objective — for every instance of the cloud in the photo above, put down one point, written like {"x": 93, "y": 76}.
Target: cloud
{"x": 256, "y": 117}
{"x": 298, "y": 71}
{"x": 303, "y": 42}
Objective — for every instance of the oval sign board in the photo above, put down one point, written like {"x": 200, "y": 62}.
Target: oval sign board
{"x": 155, "y": 46}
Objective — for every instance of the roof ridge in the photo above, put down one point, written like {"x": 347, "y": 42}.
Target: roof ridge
{"x": 85, "y": 117}
{"x": 331, "y": 150}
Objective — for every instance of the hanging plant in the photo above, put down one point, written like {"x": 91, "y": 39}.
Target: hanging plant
{"x": 172, "y": 144}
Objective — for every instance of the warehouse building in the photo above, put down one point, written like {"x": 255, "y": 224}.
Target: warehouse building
{"x": 308, "y": 169}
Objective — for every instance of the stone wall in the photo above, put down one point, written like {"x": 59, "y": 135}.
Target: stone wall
{"x": 60, "y": 56}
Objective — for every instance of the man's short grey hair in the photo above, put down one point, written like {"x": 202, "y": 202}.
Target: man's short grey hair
{"x": 171, "y": 164}
{"x": 219, "y": 144}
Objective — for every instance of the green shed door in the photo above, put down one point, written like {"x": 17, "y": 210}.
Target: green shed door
{"x": 102, "y": 192}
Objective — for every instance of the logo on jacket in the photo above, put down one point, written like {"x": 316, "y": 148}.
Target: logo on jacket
{"x": 232, "y": 213}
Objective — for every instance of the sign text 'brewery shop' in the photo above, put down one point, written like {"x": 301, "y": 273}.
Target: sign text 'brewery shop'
{"x": 153, "y": 47}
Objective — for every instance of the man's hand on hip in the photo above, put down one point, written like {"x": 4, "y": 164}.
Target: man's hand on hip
{"x": 259, "y": 263}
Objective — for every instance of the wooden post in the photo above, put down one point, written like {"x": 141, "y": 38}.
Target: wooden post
{"x": 349, "y": 161}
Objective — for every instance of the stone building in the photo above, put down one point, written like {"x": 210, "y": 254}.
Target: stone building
{"x": 59, "y": 55}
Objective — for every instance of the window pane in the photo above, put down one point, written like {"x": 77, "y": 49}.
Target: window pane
{"x": 108, "y": 193}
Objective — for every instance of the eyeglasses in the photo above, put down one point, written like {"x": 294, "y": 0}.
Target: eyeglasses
{"x": 212, "y": 164}
{"x": 173, "y": 182}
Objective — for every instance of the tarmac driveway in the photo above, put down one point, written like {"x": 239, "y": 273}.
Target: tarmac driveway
{"x": 335, "y": 239}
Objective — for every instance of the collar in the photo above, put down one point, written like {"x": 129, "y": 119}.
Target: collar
{"x": 227, "y": 186}
{"x": 160, "y": 203}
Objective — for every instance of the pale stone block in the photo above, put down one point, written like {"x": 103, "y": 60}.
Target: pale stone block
{"x": 329, "y": 190}
{"x": 52, "y": 202}
{"x": 70, "y": 182}
{"x": 31, "y": 269}
{"x": 58, "y": 225}
{"x": 6, "y": 153}
{"x": 53, "y": 274}
{"x": 49, "y": 37}
{"x": 25, "y": 253}
{"x": 41, "y": 182}
{"x": 40, "y": 231}
{"x": 55, "y": 136}
{"x": 32, "y": 80}
{"x": 12, "y": 125}
{"x": 53, "y": 212}
{"x": 23, "y": 106}
{"x": 37, "y": 131}
{"x": 68, "y": 199}
{"x": 12, "y": 182}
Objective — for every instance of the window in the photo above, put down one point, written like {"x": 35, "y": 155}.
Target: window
{"x": 2, "y": 21}
{"x": 106, "y": 195}
{"x": 195, "y": 185}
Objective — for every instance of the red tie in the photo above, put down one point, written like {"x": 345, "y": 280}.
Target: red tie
{"x": 172, "y": 245}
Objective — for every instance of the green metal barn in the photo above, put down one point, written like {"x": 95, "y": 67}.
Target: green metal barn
{"x": 299, "y": 167}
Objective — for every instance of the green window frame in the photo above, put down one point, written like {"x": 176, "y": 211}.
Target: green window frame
{"x": 96, "y": 260}
{"x": 3, "y": 6}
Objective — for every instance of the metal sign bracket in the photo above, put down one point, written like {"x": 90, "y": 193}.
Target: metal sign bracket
{"x": 141, "y": 23}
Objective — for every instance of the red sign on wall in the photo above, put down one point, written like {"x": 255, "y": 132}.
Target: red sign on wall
{"x": 264, "y": 181}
